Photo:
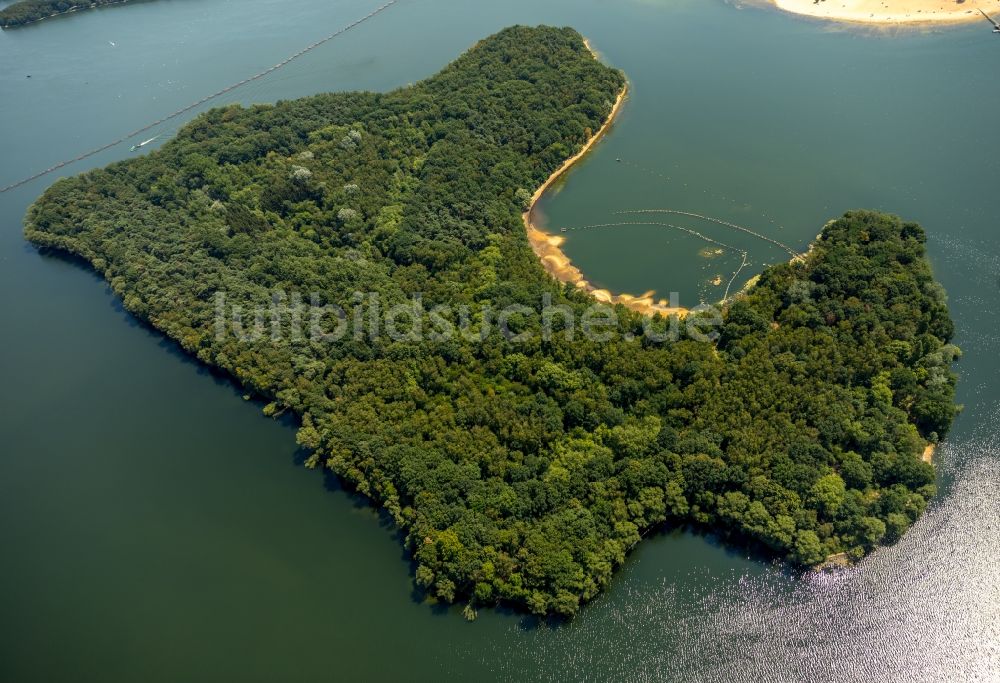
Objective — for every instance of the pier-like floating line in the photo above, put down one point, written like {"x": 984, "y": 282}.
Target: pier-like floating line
{"x": 548, "y": 247}
{"x": 745, "y": 254}
{"x": 735, "y": 226}
{"x": 202, "y": 101}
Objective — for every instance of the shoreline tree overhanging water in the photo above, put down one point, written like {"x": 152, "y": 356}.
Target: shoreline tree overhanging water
{"x": 524, "y": 474}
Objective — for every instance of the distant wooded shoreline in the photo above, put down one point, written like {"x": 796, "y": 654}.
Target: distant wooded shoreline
{"x": 32, "y": 11}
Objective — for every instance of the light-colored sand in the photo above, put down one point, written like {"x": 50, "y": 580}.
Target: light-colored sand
{"x": 929, "y": 453}
{"x": 548, "y": 247}
{"x": 887, "y": 12}
{"x": 838, "y": 561}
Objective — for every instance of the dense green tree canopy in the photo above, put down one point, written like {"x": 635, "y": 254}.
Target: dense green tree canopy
{"x": 28, "y": 11}
{"x": 522, "y": 471}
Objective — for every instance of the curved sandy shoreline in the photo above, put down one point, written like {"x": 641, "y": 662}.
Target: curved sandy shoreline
{"x": 893, "y": 12}
{"x": 548, "y": 247}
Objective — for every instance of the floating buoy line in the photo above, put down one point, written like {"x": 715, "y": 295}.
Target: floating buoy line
{"x": 735, "y": 226}
{"x": 698, "y": 216}
{"x": 670, "y": 180}
{"x": 689, "y": 231}
{"x": 743, "y": 252}
{"x": 203, "y": 100}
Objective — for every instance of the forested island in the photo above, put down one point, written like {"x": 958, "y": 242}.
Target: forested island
{"x": 30, "y": 11}
{"x": 522, "y": 470}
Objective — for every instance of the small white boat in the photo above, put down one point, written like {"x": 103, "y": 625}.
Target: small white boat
{"x": 142, "y": 144}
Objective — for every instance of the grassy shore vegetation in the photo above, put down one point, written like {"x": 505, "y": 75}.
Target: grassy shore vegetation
{"x": 29, "y": 11}
{"x": 523, "y": 472}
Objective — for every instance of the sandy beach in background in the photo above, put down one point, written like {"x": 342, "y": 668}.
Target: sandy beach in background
{"x": 548, "y": 247}
{"x": 894, "y": 11}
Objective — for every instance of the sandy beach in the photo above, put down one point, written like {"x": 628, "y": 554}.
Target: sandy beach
{"x": 888, "y": 12}
{"x": 548, "y": 247}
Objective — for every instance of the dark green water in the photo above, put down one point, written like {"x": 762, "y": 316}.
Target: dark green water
{"x": 154, "y": 526}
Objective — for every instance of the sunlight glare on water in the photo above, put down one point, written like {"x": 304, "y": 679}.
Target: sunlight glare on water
{"x": 927, "y": 608}
{"x": 154, "y": 526}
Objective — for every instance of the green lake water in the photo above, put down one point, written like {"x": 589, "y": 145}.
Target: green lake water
{"x": 155, "y": 526}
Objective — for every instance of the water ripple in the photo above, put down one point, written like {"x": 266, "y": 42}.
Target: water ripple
{"x": 925, "y": 609}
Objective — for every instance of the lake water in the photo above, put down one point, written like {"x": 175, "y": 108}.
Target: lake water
{"x": 155, "y": 526}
